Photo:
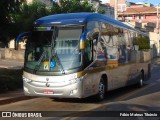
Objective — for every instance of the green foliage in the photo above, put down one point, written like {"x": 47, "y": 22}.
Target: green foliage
{"x": 28, "y": 14}
{"x": 142, "y": 42}
{"x": 101, "y": 11}
{"x": 71, "y": 6}
{"x": 17, "y": 16}
{"x": 8, "y": 7}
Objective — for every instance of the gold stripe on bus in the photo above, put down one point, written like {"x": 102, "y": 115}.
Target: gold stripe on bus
{"x": 94, "y": 70}
{"x": 82, "y": 45}
{"x": 104, "y": 68}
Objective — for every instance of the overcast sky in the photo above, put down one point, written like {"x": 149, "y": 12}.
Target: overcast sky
{"x": 155, "y": 2}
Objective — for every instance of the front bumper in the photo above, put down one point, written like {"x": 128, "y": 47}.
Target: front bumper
{"x": 69, "y": 91}
{"x": 52, "y": 86}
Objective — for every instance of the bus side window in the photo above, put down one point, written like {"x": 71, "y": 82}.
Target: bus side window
{"x": 94, "y": 49}
{"x": 88, "y": 52}
{"x": 109, "y": 41}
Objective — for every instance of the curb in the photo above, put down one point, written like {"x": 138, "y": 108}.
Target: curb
{"x": 11, "y": 67}
{"x": 2, "y": 66}
{"x": 15, "y": 99}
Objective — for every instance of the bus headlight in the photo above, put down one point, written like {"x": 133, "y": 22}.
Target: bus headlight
{"x": 76, "y": 80}
{"x": 27, "y": 80}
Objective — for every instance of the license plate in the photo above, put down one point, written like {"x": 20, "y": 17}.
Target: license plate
{"x": 48, "y": 92}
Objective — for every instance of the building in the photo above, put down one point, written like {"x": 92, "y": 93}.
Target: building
{"x": 144, "y": 13}
{"x": 96, "y": 4}
{"x": 142, "y": 16}
{"x": 139, "y": 13}
{"x": 21, "y": 45}
{"x": 105, "y": 8}
{"x": 109, "y": 10}
{"x": 121, "y": 4}
{"x": 148, "y": 16}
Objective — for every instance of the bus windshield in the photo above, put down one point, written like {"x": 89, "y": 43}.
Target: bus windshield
{"x": 56, "y": 50}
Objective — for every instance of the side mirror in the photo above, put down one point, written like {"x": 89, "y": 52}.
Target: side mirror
{"x": 85, "y": 36}
{"x": 18, "y": 38}
{"x": 16, "y": 45}
{"x": 82, "y": 44}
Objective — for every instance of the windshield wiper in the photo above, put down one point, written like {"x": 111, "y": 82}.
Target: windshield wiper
{"x": 54, "y": 53}
{"x": 39, "y": 62}
{"x": 59, "y": 63}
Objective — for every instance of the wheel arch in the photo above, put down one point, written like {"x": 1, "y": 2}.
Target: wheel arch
{"x": 142, "y": 72}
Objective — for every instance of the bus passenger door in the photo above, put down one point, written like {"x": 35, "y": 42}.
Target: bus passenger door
{"x": 89, "y": 81}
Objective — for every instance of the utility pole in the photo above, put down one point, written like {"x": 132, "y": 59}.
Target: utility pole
{"x": 158, "y": 18}
{"x": 116, "y": 9}
{"x": 158, "y": 35}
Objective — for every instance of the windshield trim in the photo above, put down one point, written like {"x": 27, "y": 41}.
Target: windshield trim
{"x": 55, "y": 56}
{"x": 51, "y": 73}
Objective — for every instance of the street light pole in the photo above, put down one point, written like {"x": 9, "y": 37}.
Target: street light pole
{"x": 116, "y": 9}
{"x": 157, "y": 18}
{"x": 158, "y": 37}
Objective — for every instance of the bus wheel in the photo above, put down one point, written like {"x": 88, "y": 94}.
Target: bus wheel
{"x": 141, "y": 80}
{"x": 101, "y": 90}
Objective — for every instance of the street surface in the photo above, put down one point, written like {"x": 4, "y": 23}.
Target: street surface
{"x": 129, "y": 98}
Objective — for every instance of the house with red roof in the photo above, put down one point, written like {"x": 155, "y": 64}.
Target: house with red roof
{"x": 139, "y": 13}
{"x": 147, "y": 17}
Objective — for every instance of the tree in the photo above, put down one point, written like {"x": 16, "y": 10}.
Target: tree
{"x": 28, "y": 14}
{"x": 17, "y": 16}
{"x": 142, "y": 42}
{"x": 70, "y": 6}
{"x": 7, "y": 7}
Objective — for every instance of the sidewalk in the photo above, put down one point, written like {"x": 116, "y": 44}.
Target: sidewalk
{"x": 11, "y": 64}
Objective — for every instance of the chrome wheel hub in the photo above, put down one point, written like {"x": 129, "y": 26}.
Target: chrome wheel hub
{"x": 101, "y": 90}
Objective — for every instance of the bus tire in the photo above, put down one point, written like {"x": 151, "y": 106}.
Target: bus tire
{"x": 101, "y": 90}
{"x": 141, "y": 80}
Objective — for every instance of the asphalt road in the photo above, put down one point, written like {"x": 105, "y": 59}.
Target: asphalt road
{"x": 125, "y": 99}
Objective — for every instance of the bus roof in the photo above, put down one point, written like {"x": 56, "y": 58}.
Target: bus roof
{"x": 79, "y": 19}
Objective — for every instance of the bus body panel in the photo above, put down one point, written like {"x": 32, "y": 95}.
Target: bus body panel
{"x": 91, "y": 81}
{"x": 54, "y": 86}
{"x": 85, "y": 82}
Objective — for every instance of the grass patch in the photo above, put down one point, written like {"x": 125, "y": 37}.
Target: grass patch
{"x": 10, "y": 79}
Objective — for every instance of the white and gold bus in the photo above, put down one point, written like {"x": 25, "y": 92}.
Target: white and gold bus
{"x": 78, "y": 55}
